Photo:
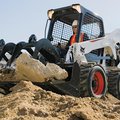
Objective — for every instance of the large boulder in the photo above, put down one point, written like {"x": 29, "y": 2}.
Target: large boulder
{"x": 31, "y": 69}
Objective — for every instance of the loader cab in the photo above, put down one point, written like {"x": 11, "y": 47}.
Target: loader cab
{"x": 60, "y": 27}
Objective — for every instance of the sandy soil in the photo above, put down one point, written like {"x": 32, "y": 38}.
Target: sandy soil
{"x": 29, "y": 102}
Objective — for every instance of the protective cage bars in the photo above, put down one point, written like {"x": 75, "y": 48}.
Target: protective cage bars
{"x": 91, "y": 26}
{"x": 61, "y": 33}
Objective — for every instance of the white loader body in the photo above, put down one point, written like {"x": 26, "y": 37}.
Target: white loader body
{"x": 81, "y": 51}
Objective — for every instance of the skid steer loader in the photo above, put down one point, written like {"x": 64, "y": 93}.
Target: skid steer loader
{"x": 93, "y": 64}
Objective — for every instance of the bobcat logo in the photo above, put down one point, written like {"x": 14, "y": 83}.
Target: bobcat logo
{"x": 82, "y": 50}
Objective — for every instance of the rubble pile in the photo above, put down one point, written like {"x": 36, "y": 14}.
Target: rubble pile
{"x": 26, "y": 101}
{"x": 29, "y": 102}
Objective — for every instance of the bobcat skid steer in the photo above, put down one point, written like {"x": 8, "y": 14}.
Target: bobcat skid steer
{"x": 93, "y": 64}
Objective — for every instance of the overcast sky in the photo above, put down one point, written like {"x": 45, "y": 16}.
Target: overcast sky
{"x": 21, "y": 18}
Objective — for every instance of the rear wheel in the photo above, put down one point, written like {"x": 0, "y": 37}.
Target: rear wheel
{"x": 114, "y": 83}
{"x": 93, "y": 82}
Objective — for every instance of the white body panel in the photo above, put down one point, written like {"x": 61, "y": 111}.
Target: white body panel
{"x": 78, "y": 51}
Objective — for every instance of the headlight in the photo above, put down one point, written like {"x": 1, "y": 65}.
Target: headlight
{"x": 50, "y": 13}
{"x": 76, "y": 7}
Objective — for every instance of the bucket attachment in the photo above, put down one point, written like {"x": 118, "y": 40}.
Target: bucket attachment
{"x": 68, "y": 87}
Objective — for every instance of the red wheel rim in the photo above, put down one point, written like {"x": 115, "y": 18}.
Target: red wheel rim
{"x": 98, "y": 81}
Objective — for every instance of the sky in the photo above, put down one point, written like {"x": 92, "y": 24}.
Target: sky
{"x": 21, "y": 18}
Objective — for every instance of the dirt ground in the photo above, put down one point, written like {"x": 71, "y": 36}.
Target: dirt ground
{"x": 29, "y": 102}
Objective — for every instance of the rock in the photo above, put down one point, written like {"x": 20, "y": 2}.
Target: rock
{"x": 33, "y": 70}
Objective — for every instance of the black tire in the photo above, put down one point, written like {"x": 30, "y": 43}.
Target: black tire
{"x": 114, "y": 83}
{"x": 93, "y": 82}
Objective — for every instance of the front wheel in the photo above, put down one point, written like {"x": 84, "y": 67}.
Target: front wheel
{"x": 95, "y": 83}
